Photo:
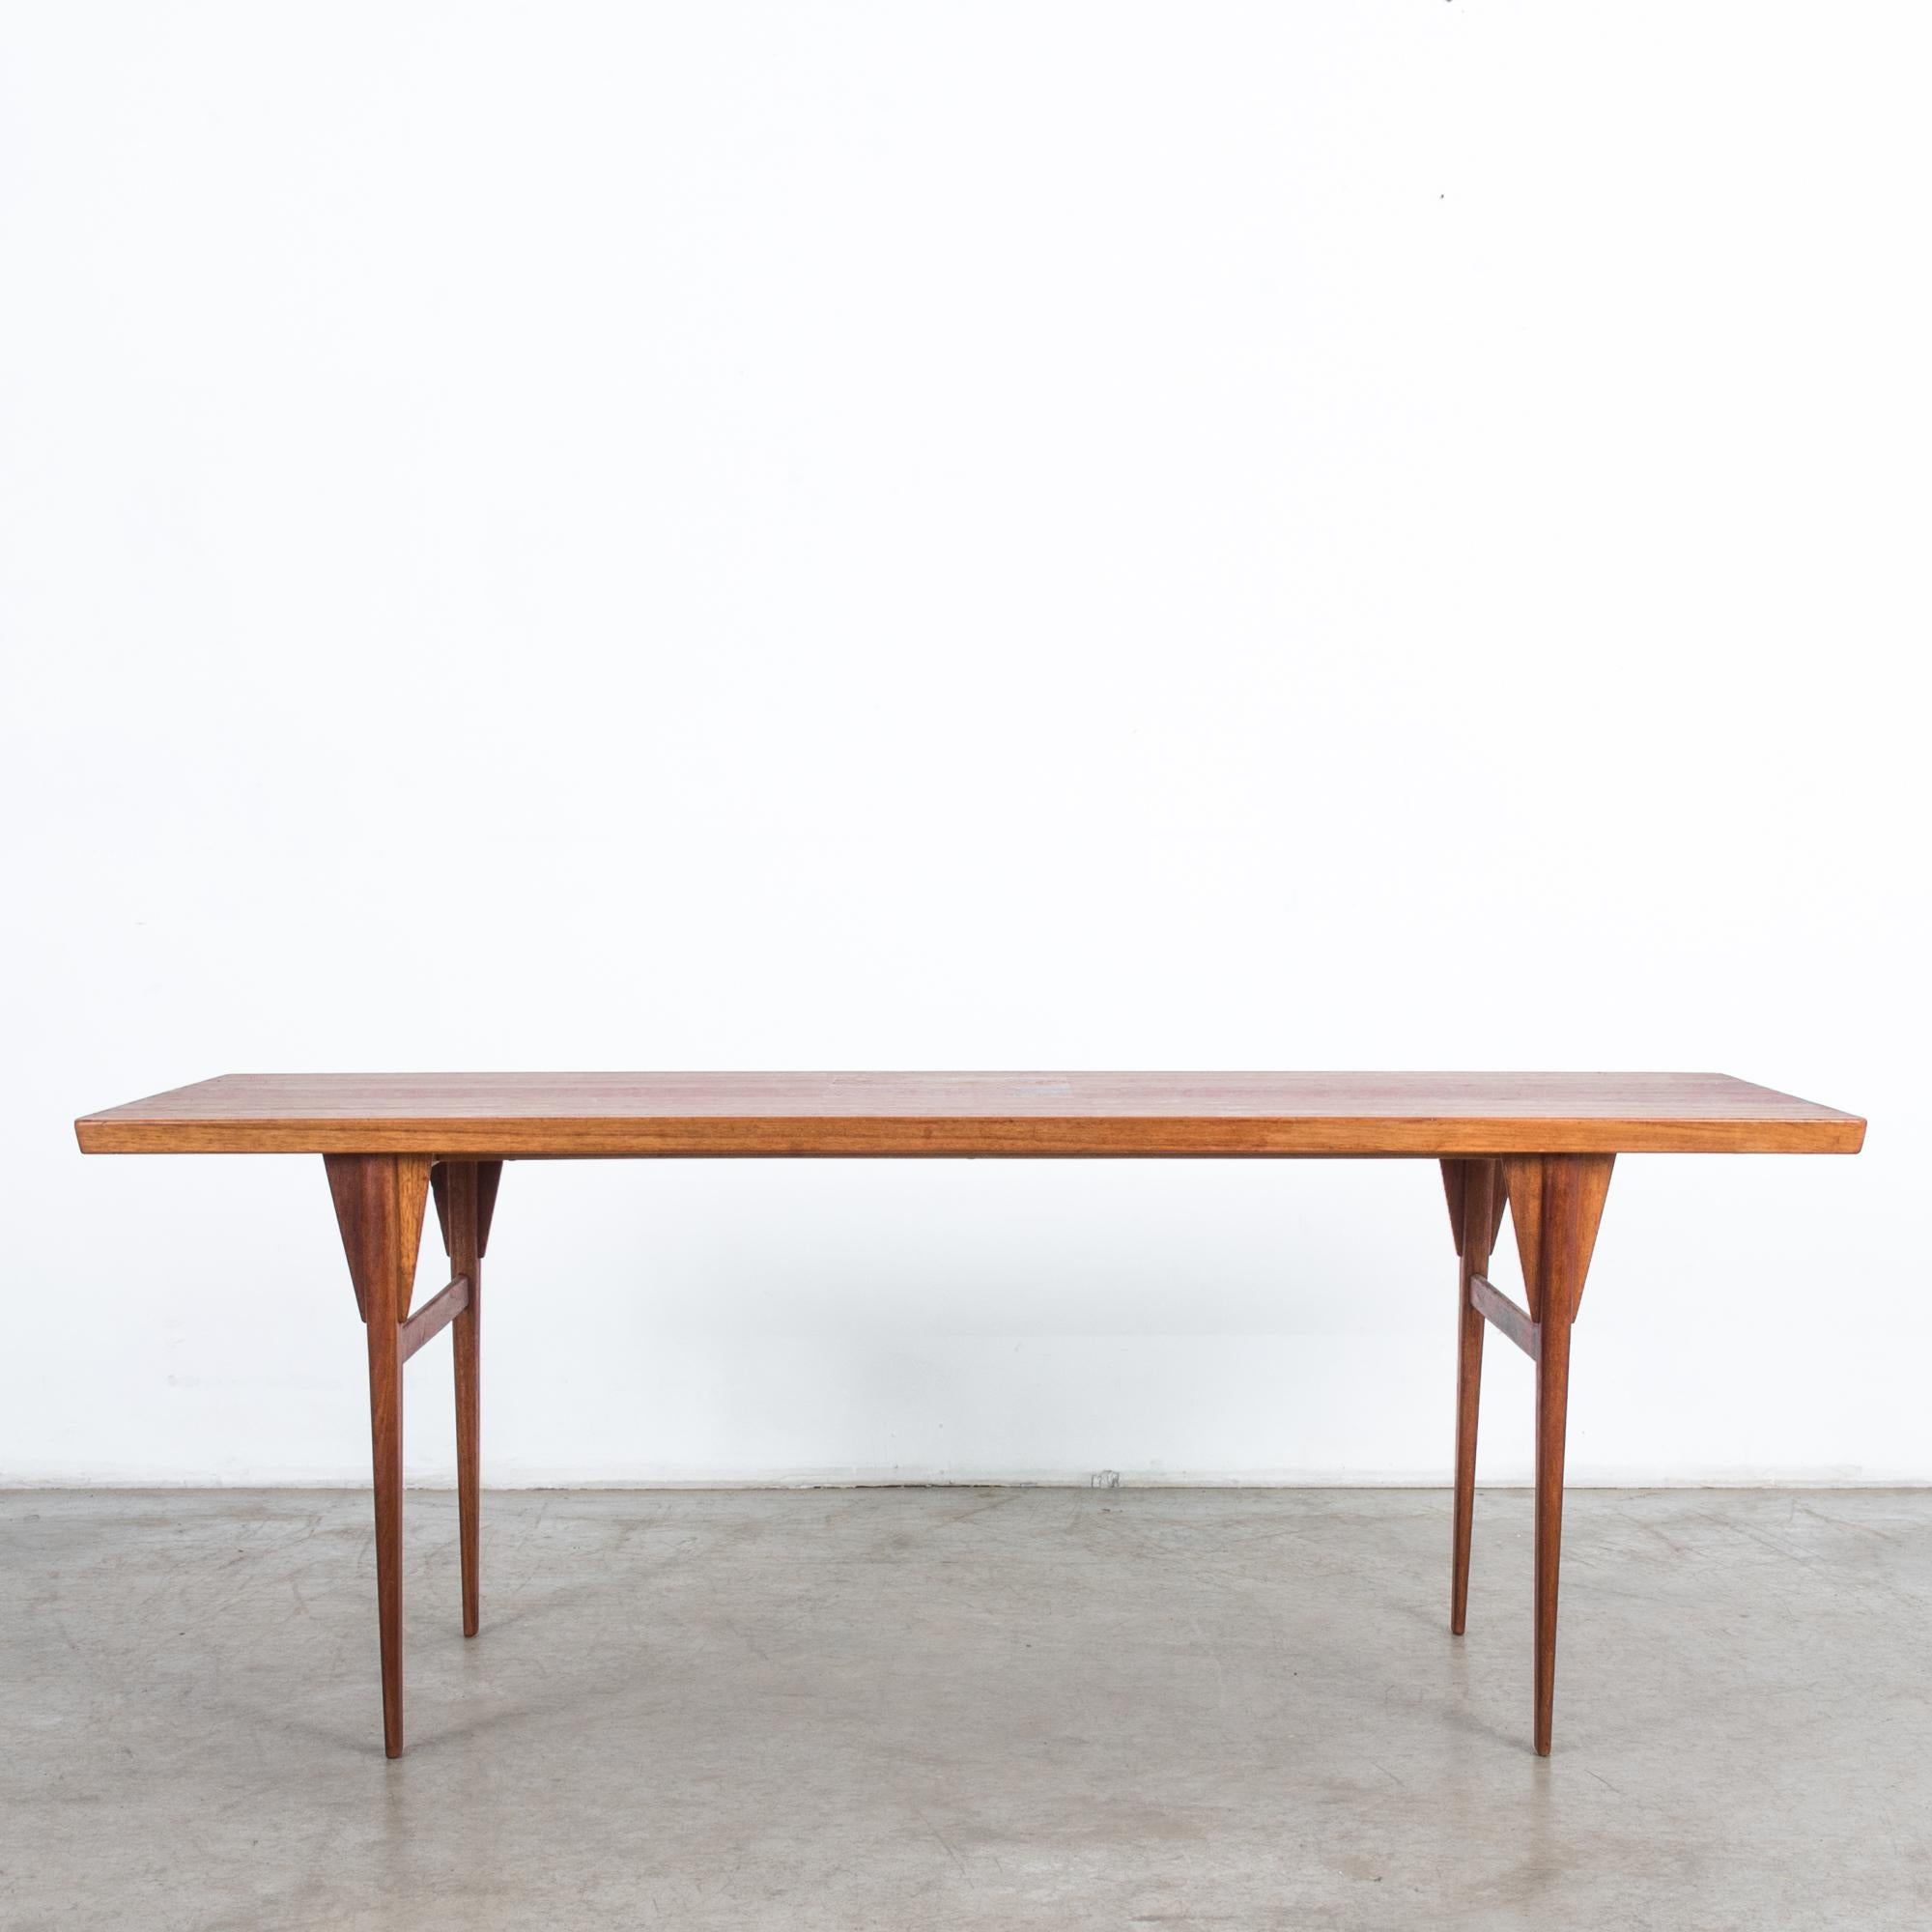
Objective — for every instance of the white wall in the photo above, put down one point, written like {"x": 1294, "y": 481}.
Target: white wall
{"x": 875, "y": 535}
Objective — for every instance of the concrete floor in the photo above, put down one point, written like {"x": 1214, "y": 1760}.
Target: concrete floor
{"x": 966, "y": 1709}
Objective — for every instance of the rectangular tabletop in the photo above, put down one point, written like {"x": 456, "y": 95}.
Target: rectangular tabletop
{"x": 523, "y": 1115}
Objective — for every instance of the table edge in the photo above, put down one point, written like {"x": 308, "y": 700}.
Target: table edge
{"x": 963, "y": 1137}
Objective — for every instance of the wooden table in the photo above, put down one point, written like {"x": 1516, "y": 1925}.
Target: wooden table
{"x": 1541, "y": 1142}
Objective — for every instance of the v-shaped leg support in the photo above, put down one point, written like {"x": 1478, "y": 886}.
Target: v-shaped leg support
{"x": 1555, "y": 1203}
{"x": 380, "y": 1200}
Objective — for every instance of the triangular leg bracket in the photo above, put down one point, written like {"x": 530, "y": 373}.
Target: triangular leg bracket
{"x": 1557, "y": 1201}
{"x": 489, "y": 1177}
{"x": 380, "y": 1200}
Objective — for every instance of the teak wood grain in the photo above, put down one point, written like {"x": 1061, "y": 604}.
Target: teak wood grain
{"x": 1555, "y": 1204}
{"x": 512, "y": 1116}
{"x": 1540, "y": 1146}
{"x": 1476, "y": 1203}
{"x": 466, "y": 1198}
{"x": 378, "y": 1207}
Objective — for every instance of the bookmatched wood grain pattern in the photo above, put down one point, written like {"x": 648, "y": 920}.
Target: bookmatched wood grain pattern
{"x": 498, "y": 1115}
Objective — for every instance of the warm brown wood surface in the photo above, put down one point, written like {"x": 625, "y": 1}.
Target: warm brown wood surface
{"x": 379, "y": 1205}
{"x": 436, "y": 1314}
{"x": 1554, "y": 1208}
{"x": 1544, "y": 1144}
{"x": 509, "y": 1115}
{"x": 466, "y": 1198}
{"x": 1492, "y": 1306}
{"x": 1476, "y": 1204}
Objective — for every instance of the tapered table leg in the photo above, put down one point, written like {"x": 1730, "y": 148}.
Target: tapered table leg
{"x": 1468, "y": 1396}
{"x": 466, "y": 1196}
{"x": 469, "y": 1454}
{"x": 379, "y": 1205}
{"x": 385, "y": 1436}
{"x": 1557, "y": 1201}
{"x": 1552, "y": 1409}
{"x": 1475, "y": 1191}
